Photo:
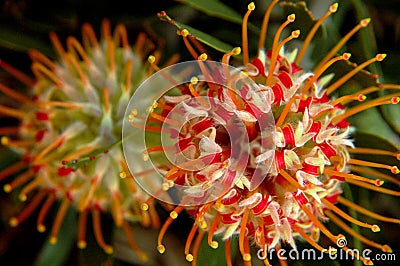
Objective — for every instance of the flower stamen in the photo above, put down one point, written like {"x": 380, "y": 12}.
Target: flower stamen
{"x": 28, "y": 210}
{"x": 132, "y": 242}
{"x": 264, "y": 26}
{"x": 96, "y": 219}
{"x": 43, "y": 212}
{"x": 82, "y": 225}
{"x": 58, "y": 220}
{"x": 189, "y": 239}
{"x": 13, "y": 94}
{"x": 245, "y": 43}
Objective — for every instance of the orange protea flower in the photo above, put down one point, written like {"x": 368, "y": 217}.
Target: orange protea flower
{"x": 70, "y": 133}
{"x": 289, "y": 182}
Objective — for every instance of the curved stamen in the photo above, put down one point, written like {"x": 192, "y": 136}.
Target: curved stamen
{"x": 245, "y": 44}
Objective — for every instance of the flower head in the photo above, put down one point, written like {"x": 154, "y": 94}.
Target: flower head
{"x": 285, "y": 184}
{"x": 69, "y": 135}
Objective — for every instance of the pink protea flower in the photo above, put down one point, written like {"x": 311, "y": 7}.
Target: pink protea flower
{"x": 292, "y": 180}
{"x": 69, "y": 135}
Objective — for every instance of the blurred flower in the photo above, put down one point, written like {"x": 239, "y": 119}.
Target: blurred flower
{"x": 292, "y": 179}
{"x": 70, "y": 133}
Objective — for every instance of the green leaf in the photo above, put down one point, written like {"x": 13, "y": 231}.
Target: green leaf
{"x": 215, "y": 8}
{"x": 217, "y": 255}
{"x": 391, "y": 113}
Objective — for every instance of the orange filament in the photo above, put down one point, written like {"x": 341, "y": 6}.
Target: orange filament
{"x": 214, "y": 226}
{"x": 106, "y": 99}
{"x": 9, "y": 130}
{"x": 5, "y": 141}
{"x": 389, "y": 99}
{"x": 197, "y": 44}
{"x": 165, "y": 119}
{"x": 367, "y": 212}
{"x": 275, "y": 50}
{"x": 155, "y": 219}
{"x": 82, "y": 225}
{"x": 75, "y": 66}
{"x": 357, "y": 256}
{"x": 52, "y": 146}
{"x": 75, "y": 48}
{"x": 349, "y": 98}
{"x": 189, "y": 47}
{"x": 127, "y": 75}
{"x": 57, "y": 45}
{"x": 196, "y": 246}
{"x": 13, "y": 94}
{"x": 105, "y": 29}
{"x": 57, "y": 104}
{"x": 393, "y": 169}
{"x": 14, "y": 168}
{"x": 78, "y": 154}
{"x": 390, "y": 86}
{"x": 368, "y": 171}
{"x": 345, "y": 227}
{"x": 121, "y": 36}
{"x": 285, "y": 112}
{"x": 28, "y": 210}
{"x": 41, "y": 71}
{"x": 264, "y": 26}
{"x": 98, "y": 233}
{"x": 245, "y": 255}
{"x": 12, "y": 112}
{"x": 245, "y": 43}
{"x": 21, "y": 76}
{"x": 323, "y": 229}
{"x": 281, "y": 261}
{"x": 172, "y": 216}
{"x": 363, "y": 23}
{"x": 43, "y": 212}
{"x": 110, "y": 52}
{"x": 395, "y": 154}
{"x": 322, "y": 69}
{"x": 88, "y": 36}
{"x": 228, "y": 252}
{"x": 189, "y": 239}
{"x": 116, "y": 211}
{"x": 308, "y": 238}
{"x": 152, "y": 60}
{"x": 147, "y": 128}
{"x": 342, "y": 80}
{"x": 226, "y": 57}
{"x": 291, "y": 179}
{"x": 87, "y": 197}
{"x": 28, "y": 188}
{"x": 311, "y": 33}
{"x": 18, "y": 181}
{"x": 374, "y": 228}
{"x": 374, "y": 188}
{"x": 132, "y": 241}
{"x": 58, "y": 220}
{"x": 294, "y": 35}
{"x": 376, "y": 182}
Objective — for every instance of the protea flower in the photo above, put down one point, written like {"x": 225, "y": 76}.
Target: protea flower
{"x": 69, "y": 135}
{"x": 291, "y": 181}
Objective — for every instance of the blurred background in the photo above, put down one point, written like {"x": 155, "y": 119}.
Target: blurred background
{"x": 25, "y": 24}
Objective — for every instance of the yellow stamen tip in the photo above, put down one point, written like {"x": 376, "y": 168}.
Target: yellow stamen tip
{"x": 251, "y": 6}
{"x": 145, "y": 206}
{"x": 214, "y": 244}
{"x": 4, "y": 140}
{"x": 291, "y": 17}
{"x": 41, "y": 228}
{"x": 387, "y": 249}
{"x": 165, "y": 186}
{"x": 203, "y": 57}
{"x": 361, "y": 97}
{"x": 333, "y": 8}
{"x": 173, "y": 215}
{"x": 22, "y": 197}
{"x": 145, "y": 156}
{"x": 151, "y": 59}
{"x": 53, "y": 240}
{"x": 13, "y": 222}
{"x": 246, "y": 257}
{"x": 7, "y": 188}
{"x": 109, "y": 250}
{"x": 122, "y": 174}
{"x": 395, "y": 100}
{"x": 194, "y": 80}
{"x": 395, "y": 170}
{"x": 380, "y": 57}
{"x": 189, "y": 257}
{"x": 161, "y": 249}
{"x": 364, "y": 23}
{"x": 368, "y": 262}
{"x": 236, "y": 51}
{"x": 184, "y": 32}
{"x": 375, "y": 228}
{"x": 82, "y": 244}
{"x": 296, "y": 34}
{"x": 346, "y": 56}
{"x": 379, "y": 182}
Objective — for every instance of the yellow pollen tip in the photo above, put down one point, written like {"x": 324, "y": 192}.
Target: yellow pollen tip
{"x": 380, "y": 57}
{"x": 236, "y": 51}
{"x": 161, "y": 249}
{"x": 194, "y": 80}
{"x": 145, "y": 206}
{"x": 41, "y": 228}
{"x": 375, "y": 228}
{"x": 7, "y": 188}
{"x": 82, "y": 244}
{"x": 170, "y": 183}
{"x": 122, "y": 174}
{"x": 296, "y": 34}
{"x": 108, "y": 250}
{"x": 189, "y": 257}
{"x": 333, "y": 8}
{"x": 395, "y": 170}
{"x": 13, "y": 222}
{"x": 184, "y": 32}
{"x": 165, "y": 186}
{"x": 387, "y": 249}
{"x": 214, "y": 244}
{"x": 22, "y": 197}
{"x": 203, "y": 225}
{"x": 379, "y": 182}
{"x": 368, "y": 262}
{"x": 246, "y": 257}
{"x": 361, "y": 97}
{"x": 4, "y": 140}
{"x": 151, "y": 59}
{"x": 53, "y": 240}
{"x": 251, "y": 6}
{"x": 291, "y": 17}
{"x": 346, "y": 56}
{"x": 364, "y": 23}
{"x": 145, "y": 156}
{"x": 395, "y": 100}
{"x": 173, "y": 215}
{"x": 203, "y": 57}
